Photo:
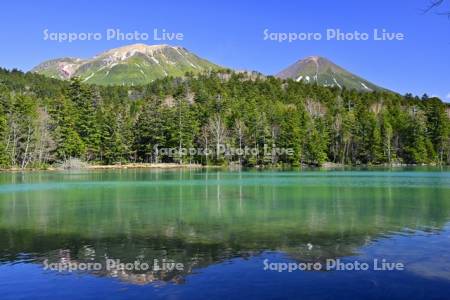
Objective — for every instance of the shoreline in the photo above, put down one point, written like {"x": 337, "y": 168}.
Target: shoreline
{"x": 169, "y": 166}
{"x": 146, "y": 166}
{"x": 113, "y": 167}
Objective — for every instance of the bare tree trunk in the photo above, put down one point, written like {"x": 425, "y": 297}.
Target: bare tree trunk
{"x": 25, "y": 155}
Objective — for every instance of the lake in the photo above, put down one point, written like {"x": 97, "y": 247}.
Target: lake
{"x": 208, "y": 234}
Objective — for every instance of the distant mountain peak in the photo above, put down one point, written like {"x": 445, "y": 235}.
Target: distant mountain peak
{"x": 129, "y": 50}
{"x": 320, "y": 70}
{"x": 130, "y": 64}
{"x": 314, "y": 58}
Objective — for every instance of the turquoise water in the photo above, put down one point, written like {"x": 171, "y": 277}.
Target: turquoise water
{"x": 224, "y": 228}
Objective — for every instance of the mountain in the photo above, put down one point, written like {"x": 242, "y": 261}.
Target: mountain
{"x": 141, "y": 64}
{"x": 324, "y": 72}
{"x": 133, "y": 64}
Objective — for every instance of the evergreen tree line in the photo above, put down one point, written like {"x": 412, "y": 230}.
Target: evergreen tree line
{"x": 45, "y": 121}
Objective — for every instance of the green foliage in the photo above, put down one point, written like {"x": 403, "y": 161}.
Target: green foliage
{"x": 43, "y": 121}
{"x": 151, "y": 131}
{"x": 68, "y": 141}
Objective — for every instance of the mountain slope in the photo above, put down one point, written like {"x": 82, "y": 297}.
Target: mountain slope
{"x": 324, "y": 72}
{"x": 133, "y": 64}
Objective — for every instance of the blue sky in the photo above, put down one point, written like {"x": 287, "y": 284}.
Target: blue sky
{"x": 230, "y": 33}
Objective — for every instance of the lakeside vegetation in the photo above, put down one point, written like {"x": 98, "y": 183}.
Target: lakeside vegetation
{"x": 45, "y": 121}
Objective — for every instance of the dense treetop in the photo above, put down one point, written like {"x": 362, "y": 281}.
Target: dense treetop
{"x": 45, "y": 121}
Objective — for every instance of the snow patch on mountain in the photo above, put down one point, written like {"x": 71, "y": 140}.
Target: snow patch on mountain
{"x": 365, "y": 86}
{"x": 335, "y": 81}
{"x": 155, "y": 60}
{"x": 90, "y": 76}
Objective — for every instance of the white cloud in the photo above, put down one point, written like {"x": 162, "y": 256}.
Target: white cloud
{"x": 448, "y": 96}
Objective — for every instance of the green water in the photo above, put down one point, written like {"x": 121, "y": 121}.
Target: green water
{"x": 204, "y": 218}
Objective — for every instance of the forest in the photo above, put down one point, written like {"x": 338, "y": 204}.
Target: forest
{"x": 45, "y": 121}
